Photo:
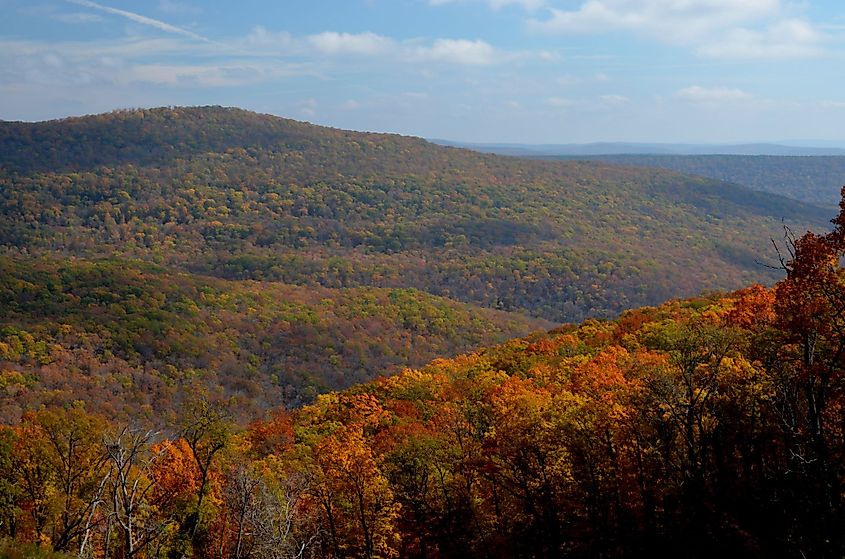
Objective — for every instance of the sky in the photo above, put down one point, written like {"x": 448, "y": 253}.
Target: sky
{"x": 497, "y": 71}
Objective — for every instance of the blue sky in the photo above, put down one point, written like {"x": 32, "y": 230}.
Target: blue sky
{"x": 530, "y": 71}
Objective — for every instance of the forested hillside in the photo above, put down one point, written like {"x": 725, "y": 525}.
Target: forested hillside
{"x": 699, "y": 428}
{"x": 131, "y": 339}
{"x": 812, "y": 179}
{"x": 238, "y": 195}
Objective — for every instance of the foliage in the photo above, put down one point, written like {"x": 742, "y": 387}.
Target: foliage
{"x": 697, "y": 428}
{"x": 244, "y": 196}
{"x": 661, "y": 433}
{"x": 129, "y": 338}
{"x": 10, "y": 549}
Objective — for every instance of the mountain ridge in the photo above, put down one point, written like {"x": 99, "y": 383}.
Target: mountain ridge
{"x": 246, "y": 196}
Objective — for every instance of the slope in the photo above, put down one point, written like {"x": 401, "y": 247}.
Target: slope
{"x": 131, "y": 339}
{"x": 244, "y": 196}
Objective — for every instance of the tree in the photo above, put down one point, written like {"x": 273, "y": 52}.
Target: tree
{"x": 206, "y": 429}
{"x": 357, "y": 501}
{"x": 132, "y": 484}
{"x": 269, "y": 514}
{"x": 686, "y": 390}
{"x": 9, "y": 489}
{"x": 63, "y": 473}
{"x": 810, "y": 308}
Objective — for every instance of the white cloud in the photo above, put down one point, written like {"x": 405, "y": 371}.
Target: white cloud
{"x": 208, "y": 75}
{"x": 679, "y": 20}
{"x": 261, "y": 38}
{"x": 457, "y": 51}
{"x": 791, "y": 38}
{"x": 452, "y": 51}
{"x": 331, "y": 42}
{"x": 712, "y": 95}
{"x": 714, "y": 28}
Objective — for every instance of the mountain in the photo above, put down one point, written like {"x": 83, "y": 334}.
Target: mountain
{"x": 630, "y": 148}
{"x": 813, "y": 179}
{"x": 132, "y": 386}
{"x": 237, "y": 195}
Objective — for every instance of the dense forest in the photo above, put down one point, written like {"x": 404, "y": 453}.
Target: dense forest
{"x": 130, "y": 338}
{"x": 237, "y": 195}
{"x": 701, "y": 427}
{"x": 182, "y": 289}
{"x": 814, "y": 179}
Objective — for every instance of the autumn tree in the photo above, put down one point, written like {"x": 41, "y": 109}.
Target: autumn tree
{"x": 62, "y": 473}
{"x": 810, "y": 307}
{"x": 687, "y": 390}
{"x": 9, "y": 490}
{"x": 206, "y": 428}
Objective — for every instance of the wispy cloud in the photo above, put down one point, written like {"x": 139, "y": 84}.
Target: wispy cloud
{"x": 262, "y": 56}
{"x": 679, "y": 21}
{"x": 748, "y": 29}
{"x": 331, "y": 42}
{"x": 463, "y": 52}
{"x": 791, "y": 38}
{"x": 68, "y": 64}
{"x": 497, "y": 4}
{"x": 138, "y": 18}
{"x": 610, "y": 100}
{"x": 227, "y": 74}
{"x": 457, "y": 51}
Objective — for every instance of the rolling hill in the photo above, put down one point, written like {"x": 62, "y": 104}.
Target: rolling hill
{"x": 131, "y": 339}
{"x": 239, "y": 195}
{"x": 140, "y": 287}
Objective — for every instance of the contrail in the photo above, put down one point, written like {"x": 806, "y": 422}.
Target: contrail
{"x": 140, "y": 19}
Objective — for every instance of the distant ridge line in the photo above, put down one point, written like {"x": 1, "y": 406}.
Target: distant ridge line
{"x": 625, "y": 148}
